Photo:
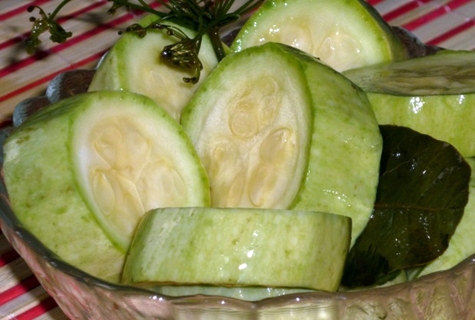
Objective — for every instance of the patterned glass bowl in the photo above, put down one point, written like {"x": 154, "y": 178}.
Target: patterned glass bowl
{"x": 443, "y": 295}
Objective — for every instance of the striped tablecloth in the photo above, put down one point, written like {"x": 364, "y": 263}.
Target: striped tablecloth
{"x": 446, "y": 23}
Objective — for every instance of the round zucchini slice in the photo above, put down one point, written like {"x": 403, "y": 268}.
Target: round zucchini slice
{"x": 134, "y": 64}
{"x": 344, "y": 34}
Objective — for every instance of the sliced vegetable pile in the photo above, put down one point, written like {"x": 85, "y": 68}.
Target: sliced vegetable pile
{"x": 258, "y": 169}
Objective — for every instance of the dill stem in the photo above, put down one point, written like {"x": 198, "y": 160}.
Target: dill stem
{"x": 216, "y": 42}
{"x": 58, "y": 8}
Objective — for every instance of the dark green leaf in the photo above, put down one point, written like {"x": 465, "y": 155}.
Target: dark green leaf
{"x": 422, "y": 192}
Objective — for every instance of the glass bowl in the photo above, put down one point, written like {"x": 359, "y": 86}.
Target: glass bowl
{"x": 443, "y": 295}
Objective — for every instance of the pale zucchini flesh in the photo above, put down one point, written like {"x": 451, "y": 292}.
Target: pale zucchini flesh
{"x": 344, "y": 34}
{"x": 128, "y": 160}
{"x": 252, "y": 131}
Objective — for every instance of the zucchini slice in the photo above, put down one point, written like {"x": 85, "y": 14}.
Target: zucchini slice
{"x": 135, "y": 64}
{"x": 434, "y": 95}
{"x": 276, "y": 128}
{"x": 81, "y": 173}
{"x": 239, "y": 247}
{"x": 345, "y": 34}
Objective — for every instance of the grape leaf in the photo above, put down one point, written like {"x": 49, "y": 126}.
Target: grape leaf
{"x": 422, "y": 192}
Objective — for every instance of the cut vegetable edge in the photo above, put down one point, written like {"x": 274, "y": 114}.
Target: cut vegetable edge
{"x": 345, "y": 152}
{"x": 129, "y": 157}
{"x": 448, "y": 72}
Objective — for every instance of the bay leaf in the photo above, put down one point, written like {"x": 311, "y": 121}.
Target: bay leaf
{"x": 422, "y": 192}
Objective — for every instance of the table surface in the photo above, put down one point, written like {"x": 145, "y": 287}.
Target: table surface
{"x": 445, "y": 23}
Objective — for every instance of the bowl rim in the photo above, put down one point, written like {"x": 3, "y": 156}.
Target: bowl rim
{"x": 9, "y": 220}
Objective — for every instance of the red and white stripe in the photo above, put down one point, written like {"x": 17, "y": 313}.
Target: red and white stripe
{"x": 446, "y": 23}
{"x": 22, "y": 75}
{"x": 21, "y": 296}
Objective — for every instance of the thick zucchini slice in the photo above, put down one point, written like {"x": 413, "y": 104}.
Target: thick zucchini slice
{"x": 344, "y": 34}
{"x": 134, "y": 64}
{"x": 275, "y": 128}
{"x": 434, "y": 95}
{"x": 239, "y": 247}
{"x": 82, "y": 172}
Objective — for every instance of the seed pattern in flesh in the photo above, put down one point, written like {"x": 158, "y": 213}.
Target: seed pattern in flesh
{"x": 248, "y": 164}
{"x": 337, "y": 47}
{"x": 333, "y": 46}
{"x": 128, "y": 177}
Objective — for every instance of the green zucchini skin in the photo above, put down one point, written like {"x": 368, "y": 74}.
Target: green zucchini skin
{"x": 239, "y": 247}
{"x": 434, "y": 95}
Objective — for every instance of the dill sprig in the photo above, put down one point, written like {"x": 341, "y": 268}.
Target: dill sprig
{"x": 47, "y": 22}
{"x": 205, "y": 17}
